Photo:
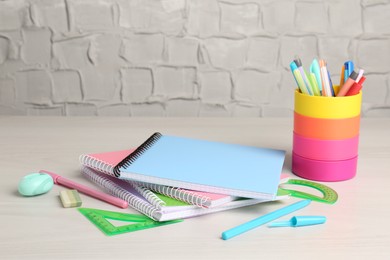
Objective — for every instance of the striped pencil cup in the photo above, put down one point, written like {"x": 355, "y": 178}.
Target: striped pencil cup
{"x": 326, "y": 137}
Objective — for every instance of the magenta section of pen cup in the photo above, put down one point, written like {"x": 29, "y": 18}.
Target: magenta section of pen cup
{"x": 319, "y": 149}
{"x": 331, "y": 156}
{"x": 317, "y": 170}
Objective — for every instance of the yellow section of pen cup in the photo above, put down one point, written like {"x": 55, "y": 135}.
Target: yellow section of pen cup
{"x": 327, "y": 107}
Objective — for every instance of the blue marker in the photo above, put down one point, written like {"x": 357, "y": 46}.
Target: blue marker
{"x": 331, "y": 85}
{"x": 264, "y": 219}
{"x": 293, "y": 67}
{"x": 349, "y": 67}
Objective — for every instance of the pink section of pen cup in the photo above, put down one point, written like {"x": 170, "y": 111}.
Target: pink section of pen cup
{"x": 318, "y": 149}
{"x": 317, "y": 170}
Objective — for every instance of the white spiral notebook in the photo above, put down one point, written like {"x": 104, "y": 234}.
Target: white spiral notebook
{"x": 170, "y": 211}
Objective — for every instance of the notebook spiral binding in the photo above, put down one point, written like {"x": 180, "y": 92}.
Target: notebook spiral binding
{"x": 97, "y": 164}
{"x": 137, "y": 153}
{"x": 177, "y": 193}
{"x": 148, "y": 195}
{"x": 120, "y": 192}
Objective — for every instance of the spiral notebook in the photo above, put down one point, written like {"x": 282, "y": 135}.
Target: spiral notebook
{"x": 173, "y": 209}
{"x": 105, "y": 163}
{"x": 232, "y": 169}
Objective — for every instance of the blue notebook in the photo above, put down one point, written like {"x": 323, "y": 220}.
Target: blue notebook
{"x": 224, "y": 168}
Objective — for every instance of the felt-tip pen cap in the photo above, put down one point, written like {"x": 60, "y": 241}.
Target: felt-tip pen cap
{"x": 299, "y": 221}
{"x": 298, "y": 62}
{"x": 353, "y": 75}
{"x": 293, "y": 66}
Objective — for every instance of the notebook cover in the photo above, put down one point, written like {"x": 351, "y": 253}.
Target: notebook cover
{"x": 232, "y": 169}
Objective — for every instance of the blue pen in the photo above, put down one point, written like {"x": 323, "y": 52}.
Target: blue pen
{"x": 264, "y": 219}
{"x": 331, "y": 84}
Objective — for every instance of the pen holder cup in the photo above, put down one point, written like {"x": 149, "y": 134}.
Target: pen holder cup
{"x": 326, "y": 137}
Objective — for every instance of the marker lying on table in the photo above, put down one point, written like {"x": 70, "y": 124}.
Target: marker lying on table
{"x": 264, "y": 219}
{"x": 86, "y": 190}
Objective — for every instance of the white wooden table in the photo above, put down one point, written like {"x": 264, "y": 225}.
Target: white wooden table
{"x": 357, "y": 227}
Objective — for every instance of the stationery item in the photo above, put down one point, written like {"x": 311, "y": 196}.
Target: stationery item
{"x": 298, "y": 78}
{"x": 319, "y": 170}
{"x": 342, "y": 76}
{"x": 314, "y": 84}
{"x": 326, "y": 91}
{"x": 293, "y": 67}
{"x": 195, "y": 164}
{"x": 331, "y": 85}
{"x": 70, "y": 198}
{"x": 327, "y": 108}
{"x": 130, "y": 195}
{"x": 308, "y": 87}
{"x": 35, "y": 184}
{"x": 356, "y": 87}
{"x": 100, "y": 219}
{"x": 360, "y": 75}
{"x": 326, "y": 136}
{"x": 264, "y": 219}
{"x": 148, "y": 195}
{"x": 86, "y": 190}
{"x": 348, "y": 84}
{"x": 299, "y": 221}
{"x": 173, "y": 209}
{"x": 315, "y": 69}
{"x": 325, "y": 128}
{"x": 349, "y": 67}
{"x": 105, "y": 162}
{"x": 325, "y": 149}
{"x": 199, "y": 198}
{"x": 329, "y": 195}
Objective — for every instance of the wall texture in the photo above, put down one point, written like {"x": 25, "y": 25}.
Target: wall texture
{"x": 183, "y": 57}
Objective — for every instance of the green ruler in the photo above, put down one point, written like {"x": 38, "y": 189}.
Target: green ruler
{"x": 99, "y": 218}
{"x": 329, "y": 195}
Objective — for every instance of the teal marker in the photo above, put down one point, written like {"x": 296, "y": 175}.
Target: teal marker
{"x": 264, "y": 219}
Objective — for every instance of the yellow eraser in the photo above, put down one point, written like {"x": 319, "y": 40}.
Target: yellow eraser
{"x": 70, "y": 198}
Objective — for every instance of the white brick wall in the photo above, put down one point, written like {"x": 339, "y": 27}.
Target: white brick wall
{"x": 191, "y": 58}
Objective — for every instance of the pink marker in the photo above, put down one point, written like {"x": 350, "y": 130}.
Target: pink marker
{"x": 86, "y": 190}
{"x": 348, "y": 84}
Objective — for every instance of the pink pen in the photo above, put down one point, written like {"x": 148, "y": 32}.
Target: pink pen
{"x": 86, "y": 190}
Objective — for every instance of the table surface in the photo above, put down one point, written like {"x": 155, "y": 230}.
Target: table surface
{"x": 357, "y": 225}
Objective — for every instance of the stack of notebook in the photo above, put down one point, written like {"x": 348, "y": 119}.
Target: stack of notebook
{"x": 170, "y": 177}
